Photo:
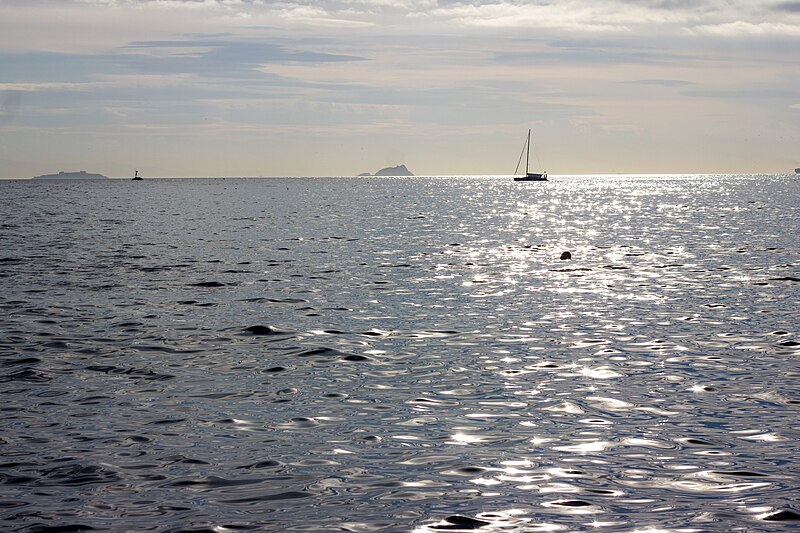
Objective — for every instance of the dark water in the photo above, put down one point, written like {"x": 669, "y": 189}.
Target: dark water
{"x": 400, "y": 355}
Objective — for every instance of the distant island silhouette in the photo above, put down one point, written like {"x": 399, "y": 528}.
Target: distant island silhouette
{"x": 80, "y": 175}
{"x": 399, "y": 170}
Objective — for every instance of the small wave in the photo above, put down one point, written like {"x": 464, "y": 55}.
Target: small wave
{"x": 210, "y": 284}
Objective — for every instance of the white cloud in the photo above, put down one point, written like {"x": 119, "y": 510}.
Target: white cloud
{"x": 98, "y": 22}
{"x": 575, "y": 15}
{"x": 315, "y": 16}
{"x": 743, "y": 28}
{"x": 169, "y": 4}
{"x": 465, "y": 72}
{"x": 102, "y": 82}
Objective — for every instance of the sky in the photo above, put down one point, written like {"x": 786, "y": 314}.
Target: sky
{"x": 447, "y": 87}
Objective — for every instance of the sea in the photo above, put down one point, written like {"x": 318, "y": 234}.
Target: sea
{"x": 400, "y": 354}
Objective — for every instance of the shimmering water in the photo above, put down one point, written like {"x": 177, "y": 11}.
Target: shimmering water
{"x": 400, "y": 354}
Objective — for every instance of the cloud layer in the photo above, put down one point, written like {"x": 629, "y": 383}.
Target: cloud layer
{"x": 237, "y": 87}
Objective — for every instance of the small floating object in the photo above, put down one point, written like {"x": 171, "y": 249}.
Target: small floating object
{"x": 565, "y": 256}
{"x": 263, "y": 330}
{"x": 136, "y": 176}
{"x": 460, "y": 522}
{"x": 785, "y": 515}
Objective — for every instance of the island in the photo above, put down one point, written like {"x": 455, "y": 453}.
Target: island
{"x": 80, "y": 175}
{"x": 399, "y": 170}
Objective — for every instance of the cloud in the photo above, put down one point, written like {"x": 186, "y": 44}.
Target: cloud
{"x": 613, "y": 16}
{"x": 744, "y": 28}
{"x": 755, "y": 93}
{"x": 167, "y": 4}
{"x": 102, "y": 82}
{"x": 108, "y": 22}
{"x": 662, "y": 83}
{"x": 228, "y": 55}
{"x": 427, "y": 76}
{"x": 11, "y": 104}
{"x": 787, "y": 7}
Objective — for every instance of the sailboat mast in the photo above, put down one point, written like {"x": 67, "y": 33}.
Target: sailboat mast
{"x": 528, "y": 155}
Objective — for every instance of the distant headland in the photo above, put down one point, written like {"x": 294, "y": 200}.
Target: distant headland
{"x": 399, "y": 170}
{"x": 80, "y": 175}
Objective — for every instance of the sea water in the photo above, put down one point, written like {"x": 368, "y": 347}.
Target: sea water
{"x": 400, "y": 354}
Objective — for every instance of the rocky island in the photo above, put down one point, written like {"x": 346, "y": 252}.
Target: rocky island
{"x": 80, "y": 175}
{"x": 399, "y": 170}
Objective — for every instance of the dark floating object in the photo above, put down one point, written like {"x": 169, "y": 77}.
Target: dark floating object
{"x": 208, "y": 284}
{"x": 168, "y": 421}
{"x": 471, "y": 470}
{"x": 462, "y": 522}
{"x": 136, "y": 176}
{"x": 565, "y": 256}
{"x": 264, "y": 330}
{"x": 698, "y": 442}
{"x": 783, "y": 516}
{"x": 739, "y": 473}
{"x": 356, "y": 358}
{"x": 573, "y": 503}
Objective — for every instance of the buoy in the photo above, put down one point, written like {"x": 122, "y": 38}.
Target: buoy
{"x": 565, "y": 256}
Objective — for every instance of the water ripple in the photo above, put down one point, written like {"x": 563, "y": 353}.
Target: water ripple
{"x": 400, "y": 355}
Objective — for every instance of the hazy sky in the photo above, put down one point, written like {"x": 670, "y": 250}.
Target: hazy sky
{"x": 339, "y": 87}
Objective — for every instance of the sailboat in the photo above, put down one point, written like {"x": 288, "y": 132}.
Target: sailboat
{"x": 529, "y": 176}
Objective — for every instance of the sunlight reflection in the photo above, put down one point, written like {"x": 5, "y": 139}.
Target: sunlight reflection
{"x": 561, "y": 488}
{"x": 764, "y": 437}
{"x": 599, "y": 524}
{"x": 602, "y": 372}
{"x": 463, "y": 438}
{"x": 586, "y": 447}
{"x": 612, "y": 404}
{"x": 486, "y": 482}
{"x": 565, "y": 407}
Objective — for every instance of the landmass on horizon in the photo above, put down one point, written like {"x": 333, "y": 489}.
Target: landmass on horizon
{"x": 80, "y": 175}
{"x": 399, "y": 170}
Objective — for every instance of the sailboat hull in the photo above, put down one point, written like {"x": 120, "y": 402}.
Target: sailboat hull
{"x": 531, "y": 177}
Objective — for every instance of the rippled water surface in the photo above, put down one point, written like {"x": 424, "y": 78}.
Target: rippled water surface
{"x": 400, "y": 354}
